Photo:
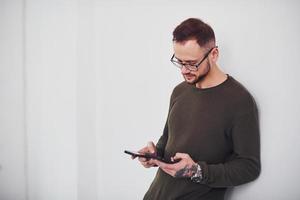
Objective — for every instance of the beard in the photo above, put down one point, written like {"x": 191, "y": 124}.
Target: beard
{"x": 200, "y": 77}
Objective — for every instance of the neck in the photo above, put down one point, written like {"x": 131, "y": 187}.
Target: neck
{"x": 213, "y": 78}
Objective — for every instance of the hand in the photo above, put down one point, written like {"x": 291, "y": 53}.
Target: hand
{"x": 150, "y": 148}
{"x": 185, "y": 168}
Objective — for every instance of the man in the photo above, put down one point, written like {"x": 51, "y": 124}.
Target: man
{"x": 212, "y": 128}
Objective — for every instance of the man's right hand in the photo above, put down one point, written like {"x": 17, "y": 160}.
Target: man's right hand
{"x": 150, "y": 148}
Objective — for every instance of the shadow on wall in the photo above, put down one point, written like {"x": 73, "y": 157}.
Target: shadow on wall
{"x": 229, "y": 193}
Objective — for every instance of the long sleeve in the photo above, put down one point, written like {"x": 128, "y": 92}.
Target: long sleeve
{"x": 244, "y": 164}
{"x": 160, "y": 146}
{"x": 219, "y": 128}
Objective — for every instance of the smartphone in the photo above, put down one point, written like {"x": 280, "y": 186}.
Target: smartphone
{"x": 149, "y": 156}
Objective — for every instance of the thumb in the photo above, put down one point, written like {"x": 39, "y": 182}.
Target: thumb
{"x": 179, "y": 156}
{"x": 151, "y": 147}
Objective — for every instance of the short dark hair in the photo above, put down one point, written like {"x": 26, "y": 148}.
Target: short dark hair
{"x": 194, "y": 28}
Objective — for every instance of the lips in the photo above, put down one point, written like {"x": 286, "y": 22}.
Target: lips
{"x": 188, "y": 76}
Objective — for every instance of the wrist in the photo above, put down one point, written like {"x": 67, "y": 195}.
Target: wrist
{"x": 197, "y": 176}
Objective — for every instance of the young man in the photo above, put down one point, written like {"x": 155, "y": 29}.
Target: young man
{"x": 212, "y": 129}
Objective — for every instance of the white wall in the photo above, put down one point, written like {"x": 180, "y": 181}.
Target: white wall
{"x": 48, "y": 148}
{"x": 259, "y": 46}
{"x": 83, "y": 80}
{"x": 12, "y": 140}
{"x": 51, "y": 84}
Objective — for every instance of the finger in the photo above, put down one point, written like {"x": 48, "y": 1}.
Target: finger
{"x": 164, "y": 165}
{"x": 145, "y": 164}
{"x": 144, "y": 150}
{"x": 148, "y": 164}
{"x": 157, "y": 162}
{"x": 175, "y": 159}
{"x": 151, "y": 162}
{"x": 142, "y": 159}
{"x": 170, "y": 172}
{"x": 133, "y": 157}
{"x": 179, "y": 156}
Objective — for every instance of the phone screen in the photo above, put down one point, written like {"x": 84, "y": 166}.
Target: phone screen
{"x": 137, "y": 154}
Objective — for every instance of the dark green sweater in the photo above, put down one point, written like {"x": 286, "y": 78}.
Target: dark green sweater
{"x": 218, "y": 127}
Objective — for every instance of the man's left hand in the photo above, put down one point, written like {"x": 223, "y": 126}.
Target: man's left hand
{"x": 185, "y": 168}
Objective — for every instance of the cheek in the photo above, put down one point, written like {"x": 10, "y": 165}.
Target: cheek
{"x": 197, "y": 73}
{"x": 202, "y": 69}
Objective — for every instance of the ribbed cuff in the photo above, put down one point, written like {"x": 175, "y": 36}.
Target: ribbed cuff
{"x": 204, "y": 169}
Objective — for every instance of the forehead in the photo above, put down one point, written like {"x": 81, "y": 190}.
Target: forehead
{"x": 187, "y": 51}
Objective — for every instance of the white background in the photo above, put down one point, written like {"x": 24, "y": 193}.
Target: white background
{"x": 80, "y": 81}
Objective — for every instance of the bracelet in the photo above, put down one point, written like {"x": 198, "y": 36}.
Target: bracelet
{"x": 197, "y": 177}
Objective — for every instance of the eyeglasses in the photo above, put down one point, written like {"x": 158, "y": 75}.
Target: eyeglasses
{"x": 191, "y": 67}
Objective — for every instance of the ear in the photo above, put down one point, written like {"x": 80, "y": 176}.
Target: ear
{"x": 214, "y": 55}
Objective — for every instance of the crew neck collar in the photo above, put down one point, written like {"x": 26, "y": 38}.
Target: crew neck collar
{"x": 225, "y": 82}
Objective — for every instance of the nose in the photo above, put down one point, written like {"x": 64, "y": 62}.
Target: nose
{"x": 184, "y": 70}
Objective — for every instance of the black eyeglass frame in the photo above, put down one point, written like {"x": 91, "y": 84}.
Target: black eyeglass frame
{"x": 188, "y": 66}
